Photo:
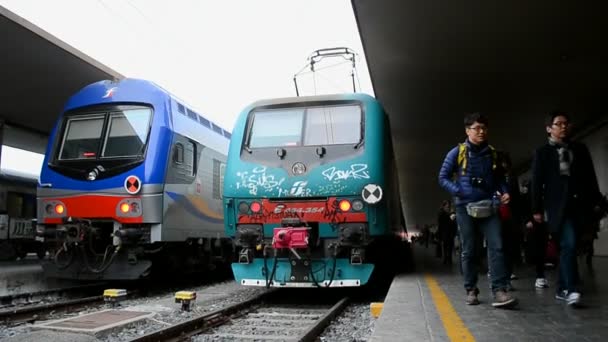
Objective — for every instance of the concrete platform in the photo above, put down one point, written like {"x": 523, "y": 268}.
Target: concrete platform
{"x": 429, "y": 305}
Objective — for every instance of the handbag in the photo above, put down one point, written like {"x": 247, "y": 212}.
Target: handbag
{"x": 481, "y": 209}
{"x": 551, "y": 252}
{"x": 504, "y": 212}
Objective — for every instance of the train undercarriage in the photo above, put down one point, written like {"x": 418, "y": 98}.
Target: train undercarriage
{"x": 104, "y": 250}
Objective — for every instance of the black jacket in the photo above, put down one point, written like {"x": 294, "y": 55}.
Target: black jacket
{"x": 559, "y": 196}
{"x": 446, "y": 227}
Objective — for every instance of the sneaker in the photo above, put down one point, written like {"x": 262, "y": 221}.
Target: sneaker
{"x": 472, "y": 297}
{"x": 573, "y": 298}
{"x": 541, "y": 283}
{"x": 502, "y": 299}
{"x": 561, "y": 295}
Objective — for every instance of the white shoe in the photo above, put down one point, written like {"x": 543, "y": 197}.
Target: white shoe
{"x": 573, "y": 298}
{"x": 541, "y": 283}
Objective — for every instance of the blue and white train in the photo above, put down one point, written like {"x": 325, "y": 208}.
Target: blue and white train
{"x": 132, "y": 182}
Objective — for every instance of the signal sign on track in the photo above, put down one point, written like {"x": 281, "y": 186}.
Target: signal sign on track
{"x": 132, "y": 185}
{"x": 372, "y": 193}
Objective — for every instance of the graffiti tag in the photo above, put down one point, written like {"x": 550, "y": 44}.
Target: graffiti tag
{"x": 257, "y": 179}
{"x": 357, "y": 171}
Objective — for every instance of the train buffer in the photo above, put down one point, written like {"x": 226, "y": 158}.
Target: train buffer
{"x": 186, "y": 298}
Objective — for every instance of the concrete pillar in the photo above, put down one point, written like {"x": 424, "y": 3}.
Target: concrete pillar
{"x": 1, "y": 138}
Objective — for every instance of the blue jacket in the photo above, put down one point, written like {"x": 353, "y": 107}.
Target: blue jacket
{"x": 479, "y": 165}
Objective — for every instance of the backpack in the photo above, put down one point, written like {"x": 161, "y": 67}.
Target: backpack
{"x": 462, "y": 157}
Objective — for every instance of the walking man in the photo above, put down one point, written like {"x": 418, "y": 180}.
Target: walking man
{"x": 469, "y": 174}
{"x": 564, "y": 192}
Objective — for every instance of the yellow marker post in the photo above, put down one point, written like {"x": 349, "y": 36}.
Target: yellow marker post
{"x": 376, "y": 309}
{"x": 114, "y": 296}
{"x": 186, "y": 298}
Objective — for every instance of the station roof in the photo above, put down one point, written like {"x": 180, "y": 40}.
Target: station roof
{"x": 432, "y": 61}
{"x": 39, "y": 73}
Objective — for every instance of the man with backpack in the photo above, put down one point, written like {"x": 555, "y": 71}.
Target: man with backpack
{"x": 469, "y": 174}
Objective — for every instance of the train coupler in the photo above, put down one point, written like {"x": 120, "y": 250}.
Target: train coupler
{"x": 290, "y": 237}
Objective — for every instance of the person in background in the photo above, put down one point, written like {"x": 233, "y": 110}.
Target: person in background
{"x": 510, "y": 217}
{"x": 446, "y": 223}
{"x": 537, "y": 237}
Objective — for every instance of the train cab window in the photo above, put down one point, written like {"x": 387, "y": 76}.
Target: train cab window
{"x": 127, "y": 133}
{"x": 264, "y": 132}
{"x": 178, "y": 153}
{"x": 333, "y": 125}
{"x": 81, "y": 140}
{"x": 306, "y": 126}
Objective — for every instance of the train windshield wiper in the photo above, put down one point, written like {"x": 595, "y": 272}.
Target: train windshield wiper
{"x": 359, "y": 144}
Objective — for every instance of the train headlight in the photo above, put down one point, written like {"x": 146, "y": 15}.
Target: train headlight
{"x": 243, "y": 207}
{"x": 255, "y": 207}
{"x": 129, "y": 208}
{"x": 48, "y": 209}
{"x": 357, "y": 205}
{"x": 125, "y": 207}
{"x": 344, "y": 205}
{"x": 59, "y": 209}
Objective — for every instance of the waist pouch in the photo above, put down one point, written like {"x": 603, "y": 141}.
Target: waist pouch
{"x": 481, "y": 209}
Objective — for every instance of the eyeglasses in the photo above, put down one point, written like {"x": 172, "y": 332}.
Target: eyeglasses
{"x": 479, "y": 128}
{"x": 561, "y": 124}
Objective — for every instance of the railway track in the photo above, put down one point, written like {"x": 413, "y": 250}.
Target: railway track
{"x": 30, "y": 298}
{"x": 31, "y": 313}
{"x": 259, "y": 318}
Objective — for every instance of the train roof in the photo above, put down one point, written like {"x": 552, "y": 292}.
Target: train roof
{"x": 317, "y": 98}
{"x": 98, "y": 91}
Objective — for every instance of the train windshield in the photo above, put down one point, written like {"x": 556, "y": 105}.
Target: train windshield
{"x": 113, "y": 134}
{"x": 306, "y": 126}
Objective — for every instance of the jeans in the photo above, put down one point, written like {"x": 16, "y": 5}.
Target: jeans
{"x": 567, "y": 257}
{"x": 538, "y": 238}
{"x": 469, "y": 228}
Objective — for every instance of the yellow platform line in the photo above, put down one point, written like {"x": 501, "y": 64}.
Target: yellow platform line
{"x": 454, "y": 326}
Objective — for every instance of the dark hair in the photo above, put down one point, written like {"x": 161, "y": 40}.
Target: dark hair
{"x": 471, "y": 118}
{"x": 551, "y": 116}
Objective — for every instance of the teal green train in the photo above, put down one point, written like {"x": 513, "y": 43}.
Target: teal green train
{"x": 311, "y": 193}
